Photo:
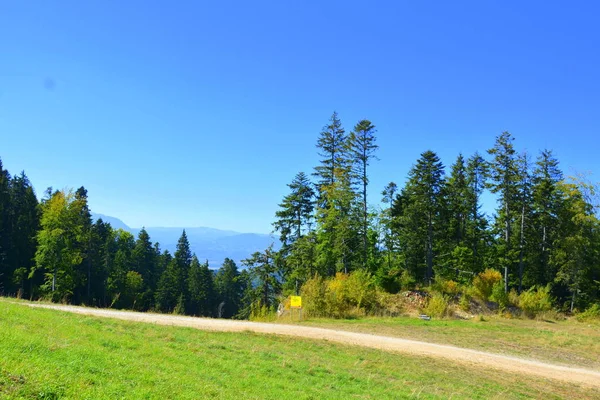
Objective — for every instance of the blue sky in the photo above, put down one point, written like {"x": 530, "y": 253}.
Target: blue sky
{"x": 199, "y": 113}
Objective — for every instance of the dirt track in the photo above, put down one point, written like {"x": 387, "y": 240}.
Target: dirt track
{"x": 457, "y": 354}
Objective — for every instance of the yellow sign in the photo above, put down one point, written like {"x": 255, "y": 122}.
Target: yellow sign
{"x": 295, "y": 301}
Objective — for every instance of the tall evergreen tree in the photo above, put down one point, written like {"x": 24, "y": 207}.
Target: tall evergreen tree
{"x": 23, "y": 231}
{"x": 265, "y": 276}
{"x": 5, "y": 212}
{"x": 504, "y": 180}
{"x": 547, "y": 208}
{"x": 295, "y": 214}
{"x": 523, "y": 204}
{"x": 145, "y": 263}
{"x": 477, "y": 174}
{"x": 101, "y": 244}
{"x": 362, "y": 150}
{"x": 338, "y": 219}
{"x": 119, "y": 292}
{"x": 83, "y": 272}
{"x": 229, "y": 288}
{"x": 423, "y": 226}
{"x": 460, "y": 211}
{"x": 332, "y": 145}
{"x": 201, "y": 289}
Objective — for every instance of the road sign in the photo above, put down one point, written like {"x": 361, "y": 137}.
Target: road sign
{"x": 295, "y": 301}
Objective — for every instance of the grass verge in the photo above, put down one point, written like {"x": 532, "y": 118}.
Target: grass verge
{"x": 47, "y": 354}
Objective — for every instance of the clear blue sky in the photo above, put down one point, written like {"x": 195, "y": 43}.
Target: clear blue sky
{"x": 193, "y": 113}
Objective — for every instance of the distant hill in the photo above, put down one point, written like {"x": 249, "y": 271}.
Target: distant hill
{"x": 207, "y": 243}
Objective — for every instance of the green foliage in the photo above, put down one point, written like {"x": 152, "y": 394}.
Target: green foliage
{"x": 229, "y": 287}
{"x": 535, "y": 301}
{"x": 499, "y": 295}
{"x": 314, "y": 301}
{"x": 448, "y": 287}
{"x": 201, "y": 290}
{"x": 484, "y": 282}
{"x": 407, "y": 280}
{"x": 592, "y": 313}
{"x": 437, "y": 306}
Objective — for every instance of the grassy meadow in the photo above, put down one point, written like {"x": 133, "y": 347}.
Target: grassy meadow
{"x": 47, "y": 354}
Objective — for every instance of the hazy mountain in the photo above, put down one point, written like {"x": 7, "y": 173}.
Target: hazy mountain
{"x": 116, "y": 223}
{"x": 209, "y": 244}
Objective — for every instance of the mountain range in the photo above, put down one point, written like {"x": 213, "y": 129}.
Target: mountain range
{"x": 209, "y": 244}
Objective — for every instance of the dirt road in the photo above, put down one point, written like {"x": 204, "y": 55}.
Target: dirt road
{"x": 456, "y": 354}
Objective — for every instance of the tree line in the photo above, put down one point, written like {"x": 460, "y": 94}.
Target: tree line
{"x": 543, "y": 233}
{"x": 53, "y": 250}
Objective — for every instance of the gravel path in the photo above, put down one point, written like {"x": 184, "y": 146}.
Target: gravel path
{"x": 413, "y": 347}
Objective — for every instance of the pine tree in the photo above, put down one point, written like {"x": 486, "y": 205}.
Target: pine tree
{"x": 83, "y": 271}
{"x": 362, "y": 150}
{"x": 101, "y": 245}
{"x": 547, "y": 207}
{"x": 523, "y": 204}
{"x": 122, "y": 263}
{"x": 229, "y": 288}
{"x": 296, "y": 211}
{"x": 145, "y": 260}
{"x": 23, "y": 231}
{"x": 266, "y": 277}
{"x": 201, "y": 289}
{"x": 5, "y": 215}
{"x": 477, "y": 175}
{"x": 332, "y": 145}
{"x": 504, "y": 179}
{"x": 168, "y": 292}
{"x": 423, "y": 220}
{"x": 460, "y": 206}
{"x": 338, "y": 221}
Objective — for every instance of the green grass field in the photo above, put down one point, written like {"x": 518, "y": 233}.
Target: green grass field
{"x": 568, "y": 342}
{"x": 47, "y": 354}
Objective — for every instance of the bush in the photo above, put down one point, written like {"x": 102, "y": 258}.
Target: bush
{"x": 347, "y": 296}
{"x": 437, "y": 306}
{"x": 499, "y": 295}
{"x": 448, "y": 287}
{"x": 465, "y": 302}
{"x": 407, "y": 281}
{"x": 484, "y": 282}
{"x": 592, "y": 313}
{"x": 360, "y": 290}
{"x": 313, "y": 297}
{"x": 535, "y": 301}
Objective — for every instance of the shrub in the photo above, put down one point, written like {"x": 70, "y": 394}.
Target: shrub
{"x": 360, "y": 290}
{"x": 437, "y": 306}
{"x": 389, "y": 305}
{"x": 513, "y": 297}
{"x": 313, "y": 297}
{"x": 465, "y": 302}
{"x": 535, "y": 301}
{"x": 336, "y": 297}
{"x": 407, "y": 281}
{"x": 449, "y": 287}
{"x": 499, "y": 295}
{"x": 484, "y": 282}
{"x": 592, "y": 313}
